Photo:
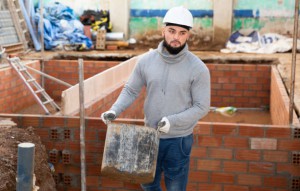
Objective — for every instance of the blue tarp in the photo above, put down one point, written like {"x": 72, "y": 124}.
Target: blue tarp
{"x": 61, "y": 27}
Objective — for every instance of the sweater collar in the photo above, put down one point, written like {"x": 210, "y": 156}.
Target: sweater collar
{"x": 171, "y": 58}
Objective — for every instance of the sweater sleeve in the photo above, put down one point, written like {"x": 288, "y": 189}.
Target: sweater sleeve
{"x": 200, "y": 92}
{"x": 130, "y": 91}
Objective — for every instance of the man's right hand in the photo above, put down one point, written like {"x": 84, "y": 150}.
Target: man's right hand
{"x": 108, "y": 116}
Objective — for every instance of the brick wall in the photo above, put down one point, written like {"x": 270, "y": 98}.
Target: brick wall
{"x": 279, "y": 108}
{"x": 240, "y": 85}
{"x": 67, "y": 71}
{"x": 14, "y": 95}
{"x": 225, "y": 157}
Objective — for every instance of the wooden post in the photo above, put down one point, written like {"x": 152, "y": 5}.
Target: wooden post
{"x": 82, "y": 125}
{"x": 294, "y": 55}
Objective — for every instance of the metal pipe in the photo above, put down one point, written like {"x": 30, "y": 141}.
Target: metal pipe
{"x": 42, "y": 41}
{"x": 82, "y": 125}
{"x": 25, "y": 166}
{"x": 293, "y": 66}
{"x": 114, "y": 36}
{"x": 49, "y": 77}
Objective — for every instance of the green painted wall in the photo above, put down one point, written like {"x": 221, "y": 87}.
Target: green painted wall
{"x": 140, "y": 26}
{"x": 265, "y": 4}
{"x": 166, "y": 4}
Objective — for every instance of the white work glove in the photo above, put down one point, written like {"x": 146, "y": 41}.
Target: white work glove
{"x": 164, "y": 125}
{"x": 108, "y": 116}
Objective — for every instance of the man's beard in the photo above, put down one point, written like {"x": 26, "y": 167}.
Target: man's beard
{"x": 173, "y": 50}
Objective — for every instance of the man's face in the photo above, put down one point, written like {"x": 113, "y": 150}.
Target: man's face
{"x": 175, "y": 37}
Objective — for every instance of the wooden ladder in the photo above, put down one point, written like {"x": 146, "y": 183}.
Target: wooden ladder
{"x": 35, "y": 88}
{"x": 19, "y": 22}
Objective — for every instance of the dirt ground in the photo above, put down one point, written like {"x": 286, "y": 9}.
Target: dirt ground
{"x": 10, "y": 137}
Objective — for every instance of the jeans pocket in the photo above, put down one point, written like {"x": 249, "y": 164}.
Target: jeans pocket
{"x": 186, "y": 145}
{"x": 175, "y": 172}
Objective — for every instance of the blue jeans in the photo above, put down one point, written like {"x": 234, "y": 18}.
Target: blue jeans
{"x": 173, "y": 160}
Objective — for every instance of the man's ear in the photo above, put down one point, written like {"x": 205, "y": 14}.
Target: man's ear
{"x": 163, "y": 31}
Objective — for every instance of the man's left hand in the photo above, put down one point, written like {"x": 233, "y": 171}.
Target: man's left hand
{"x": 164, "y": 125}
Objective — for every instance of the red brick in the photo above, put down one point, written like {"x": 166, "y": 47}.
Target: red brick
{"x": 94, "y": 147}
{"x": 223, "y": 67}
{"x": 210, "y": 187}
{"x": 53, "y": 121}
{"x": 31, "y": 121}
{"x": 206, "y": 141}
{"x": 248, "y": 155}
{"x": 242, "y": 100}
{"x": 203, "y": 129}
{"x": 246, "y": 179}
{"x": 253, "y": 188}
{"x": 92, "y": 180}
{"x": 244, "y": 74}
{"x": 251, "y": 81}
{"x": 109, "y": 183}
{"x": 224, "y": 129}
{"x": 276, "y": 181}
{"x": 252, "y": 131}
{"x": 199, "y": 176}
{"x": 217, "y": 73}
{"x": 132, "y": 186}
{"x": 261, "y": 168}
{"x": 73, "y": 122}
{"x": 279, "y": 132}
{"x": 199, "y": 152}
{"x": 236, "y": 93}
{"x": 237, "y": 142}
{"x": 235, "y": 188}
{"x": 192, "y": 186}
{"x": 42, "y": 132}
{"x": 290, "y": 145}
{"x": 229, "y": 86}
{"x": 233, "y": 166}
{"x": 93, "y": 170}
{"x": 275, "y": 156}
{"x": 90, "y": 135}
{"x": 225, "y": 178}
{"x": 210, "y": 165}
{"x": 220, "y": 153}
{"x": 265, "y": 68}
{"x": 250, "y": 68}
{"x": 223, "y": 80}
{"x": 293, "y": 170}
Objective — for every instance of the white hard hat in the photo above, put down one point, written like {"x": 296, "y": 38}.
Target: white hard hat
{"x": 179, "y": 15}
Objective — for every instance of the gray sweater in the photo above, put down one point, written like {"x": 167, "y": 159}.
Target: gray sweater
{"x": 177, "y": 86}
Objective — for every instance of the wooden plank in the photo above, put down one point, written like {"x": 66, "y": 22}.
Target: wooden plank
{"x": 97, "y": 87}
{"x": 12, "y": 6}
{"x": 6, "y": 123}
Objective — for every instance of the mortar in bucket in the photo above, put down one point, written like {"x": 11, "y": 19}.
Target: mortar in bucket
{"x": 130, "y": 153}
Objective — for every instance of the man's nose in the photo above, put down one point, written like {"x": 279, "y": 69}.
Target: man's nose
{"x": 176, "y": 36}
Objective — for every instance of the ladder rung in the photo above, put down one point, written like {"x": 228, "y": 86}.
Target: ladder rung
{"x": 31, "y": 80}
{"x": 46, "y": 102}
{"x": 22, "y": 69}
{"x": 39, "y": 91}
